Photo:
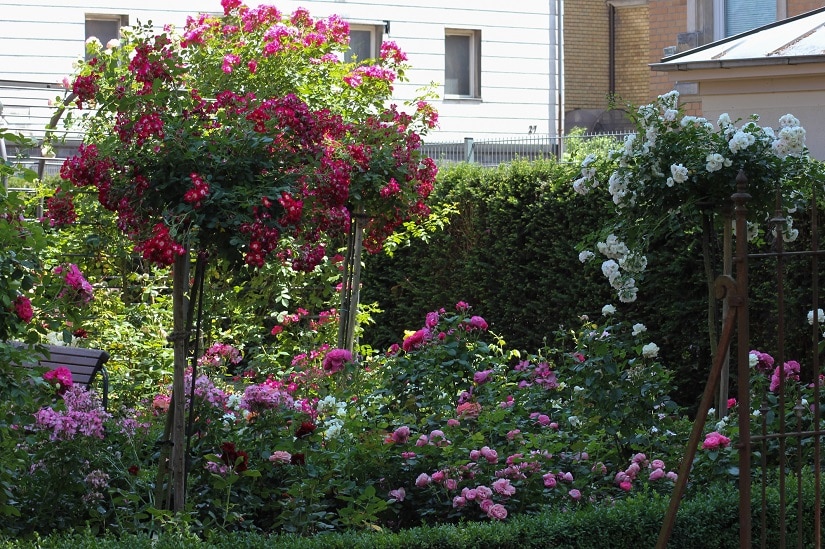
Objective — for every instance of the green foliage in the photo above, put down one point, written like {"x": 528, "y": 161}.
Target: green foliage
{"x": 706, "y": 519}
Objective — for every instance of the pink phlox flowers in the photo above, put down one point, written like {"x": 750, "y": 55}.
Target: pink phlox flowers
{"x": 83, "y": 415}
{"x": 265, "y": 396}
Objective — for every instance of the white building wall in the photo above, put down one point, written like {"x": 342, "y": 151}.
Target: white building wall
{"x": 40, "y": 40}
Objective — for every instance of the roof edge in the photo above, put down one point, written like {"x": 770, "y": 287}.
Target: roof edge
{"x": 738, "y": 36}
{"x": 737, "y": 63}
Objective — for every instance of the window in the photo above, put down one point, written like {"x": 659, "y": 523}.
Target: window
{"x": 105, "y": 27}
{"x": 364, "y": 42}
{"x": 736, "y": 16}
{"x": 462, "y": 63}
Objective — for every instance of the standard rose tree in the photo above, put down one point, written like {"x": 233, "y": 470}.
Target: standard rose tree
{"x": 244, "y": 137}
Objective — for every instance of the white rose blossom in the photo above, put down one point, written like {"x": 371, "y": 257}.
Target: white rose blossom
{"x": 820, "y": 317}
{"x": 608, "y": 310}
{"x": 586, "y": 256}
{"x": 651, "y": 350}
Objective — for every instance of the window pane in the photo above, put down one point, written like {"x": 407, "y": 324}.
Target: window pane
{"x": 744, "y": 15}
{"x": 457, "y": 65}
{"x": 360, "y": 45}
{"x": 103, "y": 29}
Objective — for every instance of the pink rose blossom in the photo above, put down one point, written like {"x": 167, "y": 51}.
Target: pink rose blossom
{"x": 280, "y": 457}
{"x": 497, "y": 512}
{"x": 502, "y": 486}
{"x": 575, "y": 494}
{"x": 656, "y": 474}
{"x": 399, "y": 494}
{"x": 482, "y": 376}
{"x": 401, "y": 435}
{"x": 423, "y": 480}
{"x": 715, "y": 441}
{"x": 549, "y": 480}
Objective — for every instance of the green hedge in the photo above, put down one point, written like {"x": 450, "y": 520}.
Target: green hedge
{"x": 708, "y": 519}
{"x": 512, "y": 254}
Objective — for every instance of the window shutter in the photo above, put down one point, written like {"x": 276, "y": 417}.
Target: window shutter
{"x": 745, "y": 15}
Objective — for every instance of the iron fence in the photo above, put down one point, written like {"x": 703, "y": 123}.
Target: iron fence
{"x": 494, "y": 151}
{"x": 780, "y": 446}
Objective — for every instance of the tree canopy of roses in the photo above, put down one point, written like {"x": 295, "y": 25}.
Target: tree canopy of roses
{"x": 246, "y": 134}
{"x": 675, "y": 169}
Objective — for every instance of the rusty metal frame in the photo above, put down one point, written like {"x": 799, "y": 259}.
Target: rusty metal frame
{"x": 735, "y": 291}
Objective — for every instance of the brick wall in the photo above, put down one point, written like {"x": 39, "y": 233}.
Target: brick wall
{"x": 632, "y": 51}
{"x": 586, "y": 54}
{"x": 668, "y": 18}
{"x": 795, "y": 7}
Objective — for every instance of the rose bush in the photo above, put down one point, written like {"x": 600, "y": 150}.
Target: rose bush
{"x": 246, "y": 132}
{"x": 675, "y": 172}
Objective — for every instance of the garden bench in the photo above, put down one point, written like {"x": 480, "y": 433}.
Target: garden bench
{"x": 84, "y": 364}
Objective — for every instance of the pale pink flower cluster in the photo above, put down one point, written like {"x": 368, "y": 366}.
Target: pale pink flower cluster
{"x": 540, "y": 374}
{"x": 280, "y": 457}
{"x": 265, "y": 396}
{"x": 624, "y": 479}
{"x": 205, "y": 389}
{"x": 83, "y": 415}
{"x": 483, "y": 496}
{"x": 789, "y": 370}
{"x": 218, "y": 353}
{"x": 435, "y": 438}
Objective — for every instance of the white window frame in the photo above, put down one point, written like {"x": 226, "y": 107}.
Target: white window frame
{"x": 720, "y": 23}
{"x": 376, "y": 38}
{"x": 473, "y": 63}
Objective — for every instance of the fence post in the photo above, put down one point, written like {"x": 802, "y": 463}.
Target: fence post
{"x": 469, "y": 150}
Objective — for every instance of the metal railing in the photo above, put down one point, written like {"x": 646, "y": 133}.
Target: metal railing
{"x": 494, "y": 151}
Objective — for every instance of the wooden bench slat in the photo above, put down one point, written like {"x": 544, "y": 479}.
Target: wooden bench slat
{"x": 84, "y": 364}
